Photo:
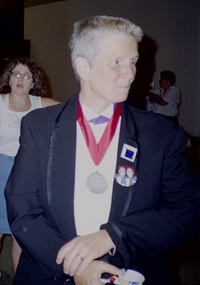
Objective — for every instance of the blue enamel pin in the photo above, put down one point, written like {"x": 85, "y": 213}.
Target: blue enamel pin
{"x": 129, "y": 152}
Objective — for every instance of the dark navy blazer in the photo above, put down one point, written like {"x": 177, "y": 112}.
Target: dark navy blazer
{"x": 146, "y": 220}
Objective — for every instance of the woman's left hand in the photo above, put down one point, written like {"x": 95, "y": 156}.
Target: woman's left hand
{"x": 77, "y": 254}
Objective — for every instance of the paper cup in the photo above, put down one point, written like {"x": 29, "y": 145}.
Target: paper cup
{"x": 132, "y": 277}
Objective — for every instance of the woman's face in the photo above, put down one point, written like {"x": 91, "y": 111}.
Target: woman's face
{"x": 21, "y": 80}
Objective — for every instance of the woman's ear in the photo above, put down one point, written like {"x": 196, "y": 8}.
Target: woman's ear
{"x": 82, "y": 68}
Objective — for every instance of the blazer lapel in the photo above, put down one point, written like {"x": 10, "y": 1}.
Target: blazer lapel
{"x": 63, "y": 170}
{"x": 122, "y": 194}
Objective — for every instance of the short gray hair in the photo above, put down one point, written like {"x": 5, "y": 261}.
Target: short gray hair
{"x": 87, "y": 33}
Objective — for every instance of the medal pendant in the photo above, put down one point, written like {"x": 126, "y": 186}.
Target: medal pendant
{"x": 96, "y": 183}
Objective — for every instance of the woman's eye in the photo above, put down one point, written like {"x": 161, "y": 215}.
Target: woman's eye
{"x": 116, "y": 63}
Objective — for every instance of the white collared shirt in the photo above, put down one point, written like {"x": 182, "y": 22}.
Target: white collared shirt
{"x": 99, "y": 128}
{"x": 92, "y": 210}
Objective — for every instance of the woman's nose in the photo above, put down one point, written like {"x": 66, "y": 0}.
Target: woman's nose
{"x": 130, "y": 71}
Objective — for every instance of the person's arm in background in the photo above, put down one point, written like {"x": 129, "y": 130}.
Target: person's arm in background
{"x": 48, "y": 102}
{"x": 152, "y": 97}
{"x": 156, "y": 98}
{"x": 173, "y": 99}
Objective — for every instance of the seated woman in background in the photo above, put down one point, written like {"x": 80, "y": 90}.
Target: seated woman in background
{"x": 22, "y": 86}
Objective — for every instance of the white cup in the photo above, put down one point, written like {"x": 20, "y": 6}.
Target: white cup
{"x": 131, "y": 277}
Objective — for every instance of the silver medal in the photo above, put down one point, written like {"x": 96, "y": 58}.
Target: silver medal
{"x": 96, "y": 183}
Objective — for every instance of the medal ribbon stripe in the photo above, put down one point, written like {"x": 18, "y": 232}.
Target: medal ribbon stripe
{"x": 97, "y": 151}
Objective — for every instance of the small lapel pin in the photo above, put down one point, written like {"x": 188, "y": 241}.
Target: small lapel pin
{"x": 129, "y": 152}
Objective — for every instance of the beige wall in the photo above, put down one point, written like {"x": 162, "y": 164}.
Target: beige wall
{"x": 172, "y": 24}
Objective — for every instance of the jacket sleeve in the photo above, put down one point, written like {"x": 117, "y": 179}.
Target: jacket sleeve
{"x": 173, "y": 217}
{"x": 29, "y": 221}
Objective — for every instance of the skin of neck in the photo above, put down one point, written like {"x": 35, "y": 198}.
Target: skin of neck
{"x": 19, "y": 98}
{"x": 96, "y": 104}
{"x": 19, "y": 103}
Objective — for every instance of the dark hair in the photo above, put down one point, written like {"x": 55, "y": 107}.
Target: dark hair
{"x": 171, "y": 76}
{"x": 39, "y": 88}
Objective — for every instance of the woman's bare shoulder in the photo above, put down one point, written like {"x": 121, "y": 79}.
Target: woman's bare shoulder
{"x": 49, "y": 102}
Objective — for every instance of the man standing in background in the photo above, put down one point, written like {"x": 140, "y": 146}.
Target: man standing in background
{"x": 167, "y": 99}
